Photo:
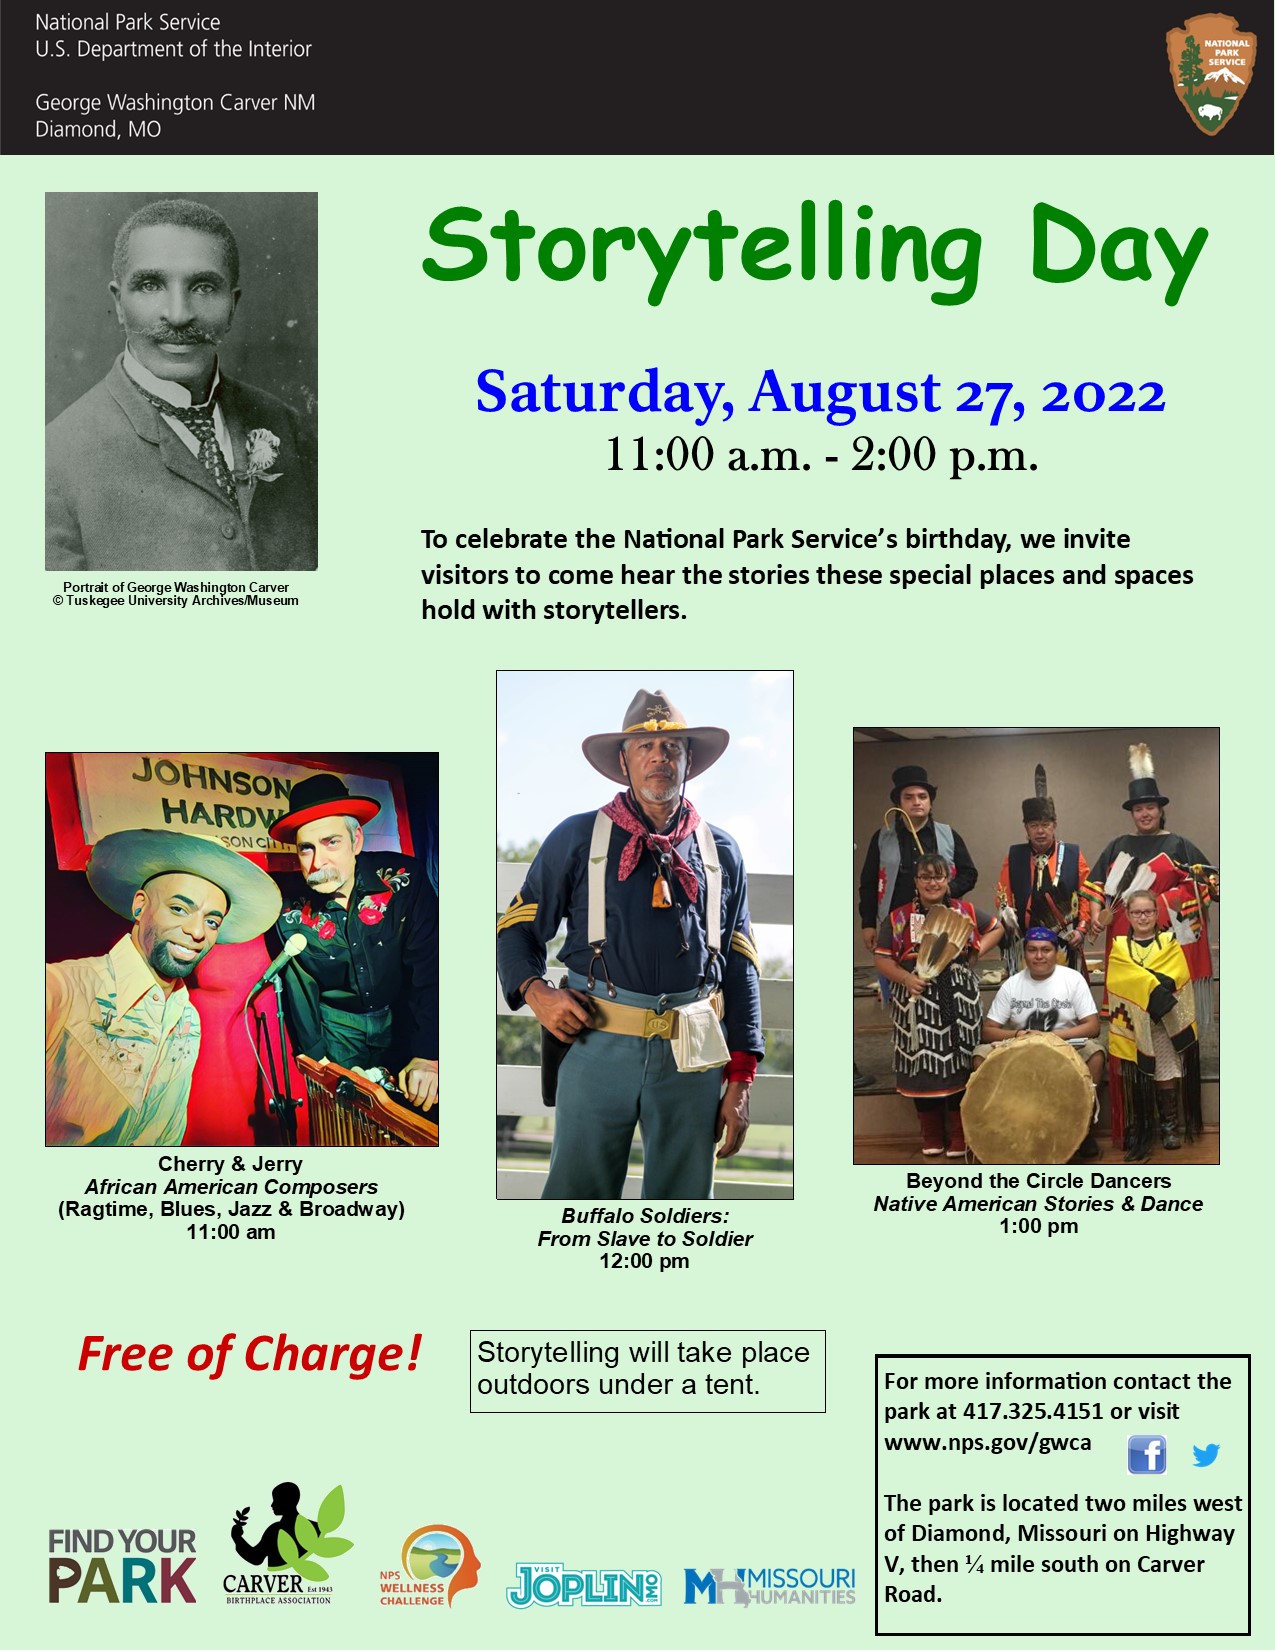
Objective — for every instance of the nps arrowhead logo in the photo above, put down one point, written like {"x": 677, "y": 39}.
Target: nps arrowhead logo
{"x": 1211, "y": 61}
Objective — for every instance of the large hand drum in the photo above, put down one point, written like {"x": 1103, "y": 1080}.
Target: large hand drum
{"x": 1030, "y": 1101}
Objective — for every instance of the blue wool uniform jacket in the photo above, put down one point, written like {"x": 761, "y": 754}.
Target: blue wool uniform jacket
{"x": 124, "y": 494}
{"x": 642, "y": 944}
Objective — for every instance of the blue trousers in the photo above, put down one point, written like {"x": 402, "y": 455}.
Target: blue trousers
{"x": 611, "y": 1084}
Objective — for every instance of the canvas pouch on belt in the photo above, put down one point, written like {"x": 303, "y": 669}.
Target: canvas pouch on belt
{"x": 697, "y": 1041}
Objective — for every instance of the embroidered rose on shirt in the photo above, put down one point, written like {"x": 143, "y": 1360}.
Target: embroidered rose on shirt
{"x": 372, "y": 907}
{"x": 323, "y": 925}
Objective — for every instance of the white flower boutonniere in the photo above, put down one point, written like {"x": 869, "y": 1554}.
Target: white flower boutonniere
{"x": 263, "y": 449}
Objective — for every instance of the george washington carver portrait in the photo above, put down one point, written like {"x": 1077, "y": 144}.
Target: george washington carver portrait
{"x": 171, "y": 463}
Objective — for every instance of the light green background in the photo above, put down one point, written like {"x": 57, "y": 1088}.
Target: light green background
{"x": 405, "y": 449}
{"x": 1162, "y": 1602}
{"x": 712, "y": 1372}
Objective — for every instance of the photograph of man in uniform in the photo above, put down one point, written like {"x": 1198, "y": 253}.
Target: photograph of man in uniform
{"x": 169, "y": 464}
{"x": 121, "y": 1033}
{"x": 658, "y": 1021}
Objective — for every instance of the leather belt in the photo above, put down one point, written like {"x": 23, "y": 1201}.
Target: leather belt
{"x": 630, "y": 1021}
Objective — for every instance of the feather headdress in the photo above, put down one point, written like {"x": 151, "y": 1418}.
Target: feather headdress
{"x": 1143, "y": 787}
{"x": 1041, "y": 805}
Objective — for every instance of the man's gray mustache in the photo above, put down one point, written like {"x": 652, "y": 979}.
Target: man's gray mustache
{"x": 185, "y": 335}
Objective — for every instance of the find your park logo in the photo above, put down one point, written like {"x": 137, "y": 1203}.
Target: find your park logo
{"x": 1211, "y": 61}
{"x": 438, "y": 1563}
{"x": 288, "y": 1560}
{"x": 138, "y": 1566}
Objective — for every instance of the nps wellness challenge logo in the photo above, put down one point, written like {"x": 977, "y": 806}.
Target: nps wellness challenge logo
{"x": 438, "y": 1561}
{"x": 1211, "y": 62}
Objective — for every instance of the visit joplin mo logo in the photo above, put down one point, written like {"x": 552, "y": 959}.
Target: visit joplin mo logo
{"x": 1211, "y": 61}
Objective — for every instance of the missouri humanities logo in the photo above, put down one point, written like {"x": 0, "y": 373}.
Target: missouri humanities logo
{"x": 554, "y": 1584}
{"x": 797, "y": 1584}
{"x": 438, "y": 1563}
{"x": 141, "y": 1566}
{"x": 1211, "y": 62}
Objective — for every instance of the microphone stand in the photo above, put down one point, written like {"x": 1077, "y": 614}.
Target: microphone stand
{"x": 283, "y": 1105}
{"x": 280, "y": 1106}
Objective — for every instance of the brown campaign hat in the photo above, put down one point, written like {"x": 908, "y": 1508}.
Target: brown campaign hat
{"x": 653, "y": 713}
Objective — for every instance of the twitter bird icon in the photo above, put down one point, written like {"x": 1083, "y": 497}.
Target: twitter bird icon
{"x": 1205, "y": 1457}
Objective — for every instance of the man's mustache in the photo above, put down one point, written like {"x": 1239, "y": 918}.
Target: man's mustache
{"x": 193, "y": 334}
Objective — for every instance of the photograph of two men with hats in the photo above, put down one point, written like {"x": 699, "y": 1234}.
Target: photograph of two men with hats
{"x": 242, "y": 949}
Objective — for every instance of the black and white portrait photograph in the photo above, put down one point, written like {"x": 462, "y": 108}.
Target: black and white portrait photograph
{"x": 181, "y": 383}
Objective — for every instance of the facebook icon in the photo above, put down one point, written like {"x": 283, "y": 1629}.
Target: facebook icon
{"x": 1148, "y": 1455}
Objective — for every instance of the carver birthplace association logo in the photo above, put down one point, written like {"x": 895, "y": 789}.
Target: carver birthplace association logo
{"x": 1211, "y": 60}
{"x": 290, "y": 1549}
{"x": 438, "y": 1562}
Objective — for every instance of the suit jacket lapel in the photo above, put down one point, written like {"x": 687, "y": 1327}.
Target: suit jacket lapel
{"x": 178, "y": 458}
{"x": 239, "y": 446}
{"x": 151, "y": 426}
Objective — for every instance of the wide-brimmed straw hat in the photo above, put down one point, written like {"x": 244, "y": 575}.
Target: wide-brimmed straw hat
{"x": 653, "y": 713}
{"x": 127, "y": 860}
{"x": 319, "y": 798}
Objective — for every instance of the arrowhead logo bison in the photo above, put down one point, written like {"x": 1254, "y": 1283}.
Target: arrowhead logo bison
{"x": 1211, "y": 61}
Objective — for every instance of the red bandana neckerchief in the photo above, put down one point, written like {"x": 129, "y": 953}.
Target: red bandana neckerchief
{"x": 641, "y": 836}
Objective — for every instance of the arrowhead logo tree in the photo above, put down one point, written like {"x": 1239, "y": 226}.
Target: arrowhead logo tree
{"x": 1211, "y": 61}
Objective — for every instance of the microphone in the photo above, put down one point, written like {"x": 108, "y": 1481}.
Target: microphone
{"x": 293, "y": 947}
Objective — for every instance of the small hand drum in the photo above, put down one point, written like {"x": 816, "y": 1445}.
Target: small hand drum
{"x": 1030, "y": 1101}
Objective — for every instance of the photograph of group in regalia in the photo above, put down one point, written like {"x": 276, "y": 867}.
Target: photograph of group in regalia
{"x": 1037, "y": 965}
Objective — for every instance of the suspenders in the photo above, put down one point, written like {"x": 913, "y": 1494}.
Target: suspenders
{"x": 597, "y": 914}
{"x": 713, "y": 894}
{"x": 597, "y": 911}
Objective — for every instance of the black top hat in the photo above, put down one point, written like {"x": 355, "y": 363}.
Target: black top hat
{"x": 318, "y": 798}
{"x": 1143, "y": 790}
{"x": 1143, "y": 786}
{"x": 903, "y": 777}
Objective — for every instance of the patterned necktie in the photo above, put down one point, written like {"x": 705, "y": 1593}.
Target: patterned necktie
{"x": 199, "y": 421}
